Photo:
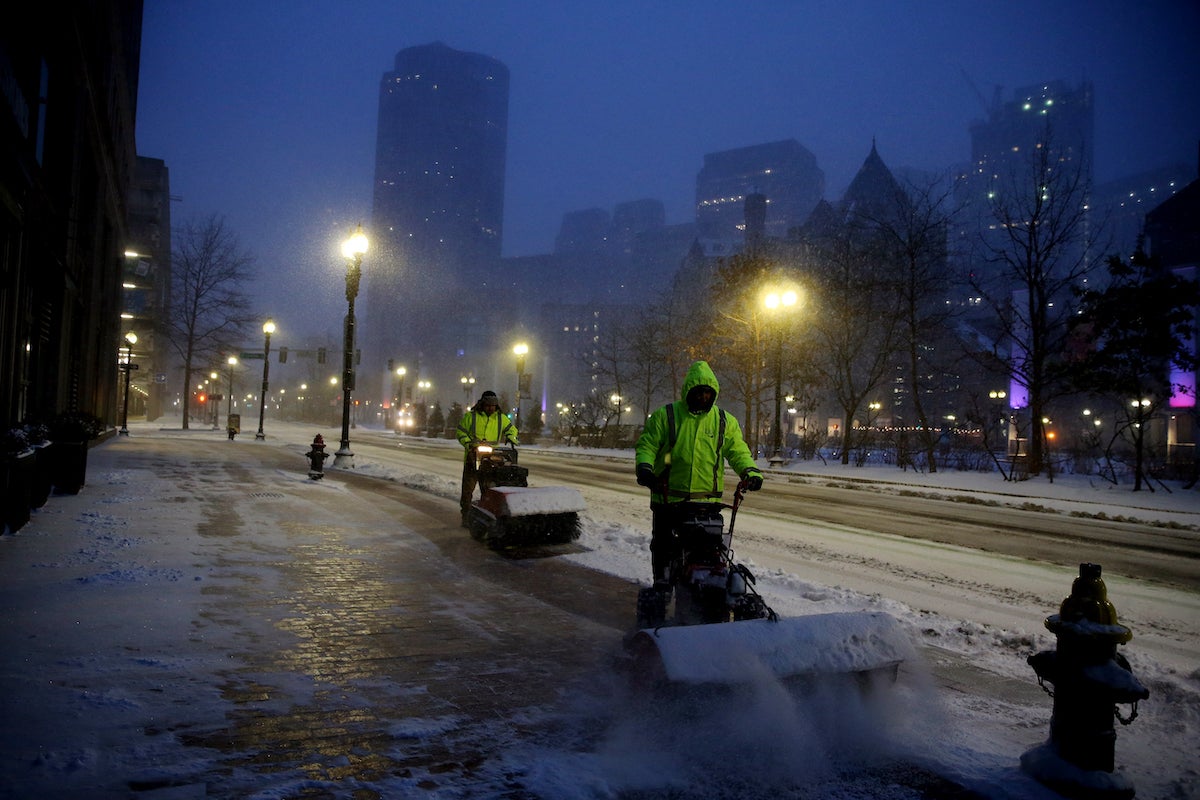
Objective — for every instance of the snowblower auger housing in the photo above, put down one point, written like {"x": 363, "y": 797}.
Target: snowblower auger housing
{"x": 510, "y": 513}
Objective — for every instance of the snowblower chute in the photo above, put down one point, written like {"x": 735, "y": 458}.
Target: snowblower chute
{"x": 510, "y": 513}
{"x": 849, "y": 643}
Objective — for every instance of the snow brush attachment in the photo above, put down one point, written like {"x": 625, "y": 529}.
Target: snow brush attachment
{"x": 521, "y": 516}
{"x": 860, "y": 644}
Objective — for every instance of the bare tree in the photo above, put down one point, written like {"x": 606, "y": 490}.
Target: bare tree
{"x": 209, "y": 309}
{"x": 859, "y": 321}
{"x": 1036, "y": 251}
{"x": 912, "y": 230}
{"x": 647, "y": 349}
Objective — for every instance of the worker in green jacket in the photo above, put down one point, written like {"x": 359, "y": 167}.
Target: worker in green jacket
{"x": 485, "y": 422}
{"x": 681, "y": 458}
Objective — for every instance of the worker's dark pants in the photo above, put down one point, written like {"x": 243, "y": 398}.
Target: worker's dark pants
{"x": 664, "y": 546}
{"x": 470, "y": 478}
{"x": 664, "y": 541}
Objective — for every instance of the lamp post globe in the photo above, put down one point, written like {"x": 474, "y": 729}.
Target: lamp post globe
{"x": 130, "y": 340}
{"x": 268, "y": 329}
{"x": 352, "y": 250}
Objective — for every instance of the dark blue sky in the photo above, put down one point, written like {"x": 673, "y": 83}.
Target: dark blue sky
{"x": 265, "y": 111}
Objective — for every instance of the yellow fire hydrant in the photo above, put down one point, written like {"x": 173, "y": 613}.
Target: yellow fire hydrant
{"x": 1090, "y": 678}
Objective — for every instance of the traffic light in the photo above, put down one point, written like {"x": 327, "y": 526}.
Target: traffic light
{"x": 200, "y": 398}
{"x": 391, "y": 365}
{"x": 283, "y": 355}
{"x": 320, "y": 355}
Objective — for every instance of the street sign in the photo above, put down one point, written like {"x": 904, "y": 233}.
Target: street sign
{"x": 245, "y": 356}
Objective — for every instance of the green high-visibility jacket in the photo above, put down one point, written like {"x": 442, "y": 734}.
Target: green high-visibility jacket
{"x": 479, "y": 426}
{"x": 692, "y": 448}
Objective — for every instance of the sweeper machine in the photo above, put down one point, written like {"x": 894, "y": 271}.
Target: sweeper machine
{"x": 721, "y": 631}
{"x": 511, "y": 513}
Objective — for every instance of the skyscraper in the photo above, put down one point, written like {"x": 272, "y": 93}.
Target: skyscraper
{"x": 784, "y": 172}
{"x": 437, "y": 214}
{"x": 1052, "y": 115}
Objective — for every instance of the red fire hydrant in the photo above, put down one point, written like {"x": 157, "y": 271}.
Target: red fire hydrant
{"x": 316, "y": 458}
{"x": 1090, "y": 678}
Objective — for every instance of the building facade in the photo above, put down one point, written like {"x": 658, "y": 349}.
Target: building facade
{"x": 69, "y": 78}
{"x": 146, "y": 287}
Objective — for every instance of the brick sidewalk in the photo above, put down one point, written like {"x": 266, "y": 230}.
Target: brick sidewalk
{"x": 337, "y": 648}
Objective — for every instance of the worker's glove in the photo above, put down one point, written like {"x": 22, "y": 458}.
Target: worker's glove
{"x": 753, "y": 482}
{"x": 645, "y": 475}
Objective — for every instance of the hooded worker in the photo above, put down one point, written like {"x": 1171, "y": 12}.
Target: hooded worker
{"x": 485, "y": 422}
{"x": 681, "y": 457}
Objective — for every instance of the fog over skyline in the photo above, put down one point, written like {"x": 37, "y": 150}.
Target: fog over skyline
{"x": 265, "y": 112}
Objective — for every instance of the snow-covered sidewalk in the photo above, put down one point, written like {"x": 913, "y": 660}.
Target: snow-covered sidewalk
{"x": 115, "y": 653}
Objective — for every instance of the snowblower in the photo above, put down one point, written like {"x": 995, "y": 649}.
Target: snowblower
{"x": 722, "y": 631}
{"x": 510, "y": 513}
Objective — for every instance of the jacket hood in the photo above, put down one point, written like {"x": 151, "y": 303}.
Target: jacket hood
{"x": 700, "y": 374}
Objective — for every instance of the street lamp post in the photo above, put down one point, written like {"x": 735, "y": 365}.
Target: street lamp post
{"x": 268, "y": 329}
{"x": 216, "y": 406}
{"x": 997, "y": 397}
{"x": 775, "y": 301}
{"x": 400, "y": 373}
{"x": 130, "y": 341}
{"x": 468, "y": 384}
{"x": 353, "y": 249}
{"x": 520, "y": 350}
{"x": 425, "y": 387}
{"x": 232, "y": 362}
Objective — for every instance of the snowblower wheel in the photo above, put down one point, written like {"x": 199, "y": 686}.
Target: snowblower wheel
{"x": 478, "y": 524}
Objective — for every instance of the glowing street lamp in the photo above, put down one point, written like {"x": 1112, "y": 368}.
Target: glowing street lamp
{"x": 216, "y": 398}
{"x": 352, "y": 249}
{"x": 126, "y": 367}
{"x": 468, "y": 386}
{"x": 998, "y": 397}
{"x": 232, "y": 362}
{"x": 268, "y": 329}
{"x": 777, "y": 302}
{"x": 399, "y": 389}
{"x": 520, "y": 351}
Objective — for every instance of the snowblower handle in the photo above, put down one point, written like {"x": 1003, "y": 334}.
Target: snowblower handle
{"x": 739, "y": 494}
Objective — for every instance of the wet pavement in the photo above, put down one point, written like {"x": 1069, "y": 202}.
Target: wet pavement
{"x": 342, "y": 633}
